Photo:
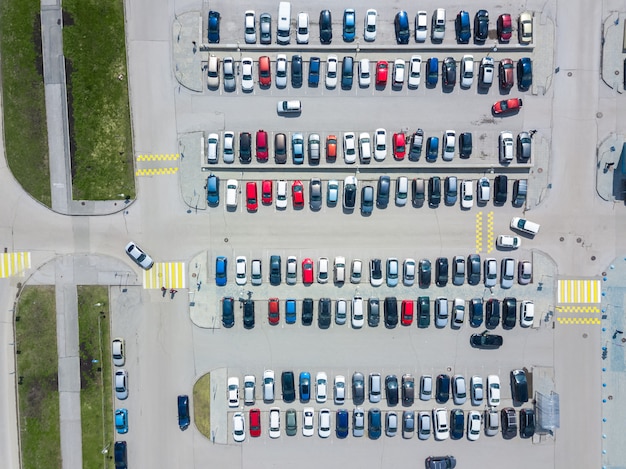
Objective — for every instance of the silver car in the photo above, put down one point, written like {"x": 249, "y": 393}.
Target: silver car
{"x": 121, "y": 384}
{"x": 228, "y": 67}
{"x": 315, "y": 194}
{"x": 491, "y": 272}
{"x": 426, "y": 387}
{"x": 507, "y": 273}
{"x": 141, "y": 258}
{"x": 424, "y": 425}
{"x": 291, "y": 276}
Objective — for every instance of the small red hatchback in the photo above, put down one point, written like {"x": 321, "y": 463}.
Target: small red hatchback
{"x": 252, "y": 202}
{"x": 505, "y": 27}
{"x": 255, "y": 422}
{"x": 265, "y": 74}
{"x": 307, "y": 271}
{"x": 507, "y": 106}
{"x": 382, "y": 70}
{"x": 266, "y": 192}
{"x": 297, "y": 194}
{"x": 399, "y": 146}
{"x": 407, "y": 312}
{"x": 273, "y": 311}
{"x": 261, "y": 145}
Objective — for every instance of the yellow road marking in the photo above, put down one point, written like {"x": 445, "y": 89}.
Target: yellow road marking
{"x": 156, "y": 171}
{"x": 165, "y": 274}
{"x": 479, "y": 232}
{"x": 14, "y": 263}
{"x": 490, "y": 240}
{"x": 579, "y": 321}
{"x": 158, "y": 157}
{"x": 579, "y": 291}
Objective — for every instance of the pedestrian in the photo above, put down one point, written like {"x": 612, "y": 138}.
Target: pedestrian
{"x": 164, "y": 291}
{"x": 172, "y": 293}
{"x": 533, "y": 132}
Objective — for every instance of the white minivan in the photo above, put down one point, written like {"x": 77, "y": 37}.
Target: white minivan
{"x": 524, "y": 225}
{"x": 284, "y": 23}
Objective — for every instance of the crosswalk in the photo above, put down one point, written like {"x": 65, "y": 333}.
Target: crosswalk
{"x": 165, "y": 274}
{"x": 480, "y": 227}
{"x": 14, "y": 263}
{"x": 578, "y": 301}
{"x": 157, "y": 171}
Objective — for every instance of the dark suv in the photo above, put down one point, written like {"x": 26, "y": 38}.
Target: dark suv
{"x": 526, "y": 423}
{"x": 275, "y": 275}
{"x": 442, "y": 271}
{"x": 423, "y": 312}
{"x": 382, "y": 191}
{"x": 248, "y": 314}
{"x": 509, "y": 423}
{"x": 326, "y": 27}
{"x": 492, "y": 317}
{"x": 288, "y": 386}
{"x": 373, "y": 312}
{"x": 476, "y": 312}
{"x": 457, "y": 422}
{"x": 473, "y": 269}
{"x": 443, "y": 389}
{"x": 519, "y": 386}
{"x": 119, "y": 450}
{"x": 296, "y": 71}
{"x": 307, "y": 311}
{"x": 245, "y": 147}
{"x": 324, "y": 313}
{"x": 509, "y": 313}
{"x": 391, "y": 312}
{"x": 391, "y": 389}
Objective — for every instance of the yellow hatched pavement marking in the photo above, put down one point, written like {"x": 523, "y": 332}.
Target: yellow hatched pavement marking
{"x": 479, "y": 232}
{"x": 156, "y": 171}
{"x": 165, "y": 274}
{"x": 14, "y": 263}
{"x": 490, "y": 240}
{"x": 158, "y": 157}
{"x": 579, "y": 291}
{"x": 577, "y": 309}
{"x": 579, "y": 321}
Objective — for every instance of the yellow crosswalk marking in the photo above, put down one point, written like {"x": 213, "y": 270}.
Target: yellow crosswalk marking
{"x": 165, "y": 274}
{"x": 155, "y": 171}
{"x": 577, "y": 309}
{"x": 479, "y": 232}
{"x": 593, "y": 321}
{"x": 14, "y": 263}
{"x": 158, "y": 157}
{"x": 579, "y": 291}
{"x": 490, "y": 240}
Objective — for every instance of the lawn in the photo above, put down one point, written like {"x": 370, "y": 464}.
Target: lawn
{"x": 37, "y": 369}
{"x": 96, "y": 407}
{"x": 25, "y": 132}
{"x": 202, "y": 405}
{"x": 98, "y": 105}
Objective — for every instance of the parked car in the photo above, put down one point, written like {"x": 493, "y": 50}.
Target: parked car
{"x": 467, "y": 71}
{"x": 326, "y": 31}
{"x": 524, "y": 144}
{"x": 493, "y": 390}
{"x": 307, "y": 421}
{"x": 457, "y": 424}
{"x": 441, "y": 427}
{"x": 247, "y": 81}
{"x": 349, "y": 24}
{"x": 380, "y": 144}
{"x": 448, "y": 72}
{"x": 374, "y": 423}
{"x": 382, "y": 71}
{"x": 507, "y": 274}
{"x": 265, "y": 28}
{"x": 401, "y": 26}
{"x": 214, "y": 27}
{"x": 526, "y": 423}
{"x": 415, "y": 71}
{"x": 331, "y": 71}
{"x": 440, "y": 462}
{"x": 486, "y": 71}
{"x": 474, "y": 423}
{"x": 505, "y": 73}
{"x": 504, "y": 27}
{"x": 462, "y": 27}
{"x": 525, "y": 27}
{"x": 527, "y": 313}
{"x": 524, "y": 73}
{"x": 525, "y": 226}
{"x": 492, "y": 316}
{"x": 481, "y": 26}
{"x": 519, "y": 386}
{"x": 509, "y": 423}
{"x": 369, "y": 33}
{"x": 477, "y": 390}
{"x": 121, "y": 421}
{"x": 432, "y": 71}
{"x": 443, "y": 389}
{"x": 121, "y": 384}
{"x": 421, "y": 26}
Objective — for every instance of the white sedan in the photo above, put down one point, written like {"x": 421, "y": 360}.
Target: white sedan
{"x": 473, "y": 425}
{"x": 331, "y": 71}
{"x": 380, "y": 147}
{"x": 307, "y": 421}
{"x": 239, "y": 427}
{"x": 323, "y": 428}
{"x": 421, "y": 26}
{"x": 233, "y": 392}
{"x": 508, "y": 242}
{"x": 493, "y": 390}
{"x": 415, "y": 71}
{"x": 141, "y": 258}
{"x": 247, "y": 82}
{"x": 240, "y": 270}
{"x": 467, "y": 194}
{"x": 321, "y": 386}
{"x": 281, "y": 71}
{"x": 349, "y": 147}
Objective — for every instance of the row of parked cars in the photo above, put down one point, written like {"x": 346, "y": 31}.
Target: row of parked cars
{"x": 402, "y": 26}
{"x": 439, "y": 423}
{"x": 345, "y": 72}
{"x": 491, "y": 312}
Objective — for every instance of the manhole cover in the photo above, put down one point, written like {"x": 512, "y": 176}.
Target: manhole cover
{"x": 561, "y": 239}
{"x": 599, "y": 115}
{"x": 593, "y": 258}
{"x": 610, "y": 398}
{"x": 540, "y": 170}
{"x": 585, "y": 335}
{"x": 616, "y": 72}
{"x": 569, "y": 74}
{"x": 193, "y": 275}
{"x": 225, "y": 240}
{"x": 578, "y": 240}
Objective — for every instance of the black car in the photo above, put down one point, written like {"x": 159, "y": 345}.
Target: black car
{"x": 492, "y": 315}
{"x": 307, "y": 311}
{"x": 434, "y": 191}
{"x": 509, "y": 423}
{"x": 358, "y": 388}
{"x": 509, "y": 313}
{"x": 296, "y": 71}
{"x": 500, "y": 185}
{"x": 248, "y": 314}
{"x": 441, "y": 270}
{"x": 481, "y": 25}
{"x": 465, "y": 145}
{"x": 442, "y": 389}
{"x": 324, "y": 313}
{"x": 349, "y": 195}
{"x": 408, "y": 390}
{"x": 476, "y": 312}
{"x": 228, "y": 311}
{"x": 119, "y": 452}
{"x": 440, "y": 462}
{"x": 382, "y": 191}
{"x": 391, "y": 389}
{"x": 473, "y": 269}
{"x": 373, "y": 312}
{"x": 526, "y": 423}
{"x": 287, "y": 381}
{"x": 423, "y": 312}
{"x": 448, "y": 72}
{"x": 391, "y": 312}
{"x": 275, "y": 275}
{"x": 183, "y": 412}
{"x": 245, "y": 147}
{"x": 376, "y": 271}
{"x": 424, "y": 273}
{"x": 457, "y": 423}
{"x": 486, "y": 341}
{"x": 519, "y": 386}
{"x": 326, "y": 27}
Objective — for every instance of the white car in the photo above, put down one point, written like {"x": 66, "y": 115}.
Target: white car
{"x": 421, "y": 26}
{"x": 449, "y": 142}
{"x": 289, "y": 107}
{"x": 364, "y": 73}
{"x": 308, "y": 418}
{"x": 440, "y": 418}
{"x": 349, "y": 147}
{"x": 302, "y": 28}
{"x": 476, "y": 390}
{"x": 281, "y": 71}
{"x": 356, "y": 271}
{"x": 467, "y": 194}
{"x": 323, "y": 428}
{"x": 229, "y": 147}
{"x": 474, "y": 421}
{"x": 239, "y": 427}
{"x": 233, "y": 391}
{"x": 426, "y": 387}
{"x": 321, "y": 387}
{"x": 291, "y": 277}
{"x": 213, "y": 72}
{"x": 527, "y": 226}
{"x": 281, "y": 194}
{"x": 274, "y": 422}
{"x": 524, "y": 272}
{"x": 268, "y": 386}
{"x": 508, "y": 242}
{"x": 526, "y": 313}
{"x": 457, "y": 321}
{"x": 212, "y": 148}
{"x": 231, "y": 193}
{"x": 141, "y": 258}
{"x": 408, "y": 277}
{"x": 487, "y": 70}
{"x": 340, "y": 389}
{"x": 467, "y": 71}
{"x": 358, "y": 422}
{"x": 121, "y": 384}
{"x": 369, "y": 34}
{"x": 380, "y": 145}
{"x": 365, "y": 147}
{"x": 247, "y": 82}
{"x": 118, "y": 351}
{"x": 484, "y": 190}
{"x": 415, "y": 71}
{"x": 398, "y": 72}
{"x": 249, "y": 386}
{"x": 331, "y": 71}
{"x": 358, "y": 318}
{"x": 493, "y": 390}
{"x": 506, "y": 146}
{"x": 491, "y": 272}
{"x": 322, "y": 270}
{"x": 249, "y": 26}
{"x": 240, "y": 270}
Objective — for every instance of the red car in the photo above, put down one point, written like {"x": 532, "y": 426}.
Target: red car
{"x": 251, "y": 197}
{"x": 297, "y": 194}
{"x": 261, "y": 145}
{"x": 505, "y": 70}
{"x": 382, "y": 70}
{"x": 507, "y": 106}
{"x": 399, "y": 146}
{"x": 307, "y": 271}
{"x": 407, "y": 312}
{"x": 273, "y": 311}
{"x": 266, "y": 192}
{"x": 265, "y": 74}
{"x": 505, "y": 27}
{"x": 255, "y": 422}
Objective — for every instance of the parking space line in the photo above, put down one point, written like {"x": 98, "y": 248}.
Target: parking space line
{"x": 14, "y": 263}
{"x": 165, "y": 274}
{"x": 479, "y": 232}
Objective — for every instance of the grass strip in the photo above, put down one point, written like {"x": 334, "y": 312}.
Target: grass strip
{"x": 202, "y": 405}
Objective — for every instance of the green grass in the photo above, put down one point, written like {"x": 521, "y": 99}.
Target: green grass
{"x": 202, "y": 405}
{"x": 37, "y": 369}
{"x": 100, "y": 130}
{"x": 96, "y": 407}
{"x": 25, "y": 132}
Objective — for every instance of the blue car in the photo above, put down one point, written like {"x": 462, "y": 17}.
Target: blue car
{"x": 305, "y": 386}
{"x": 213, "y": 190}
{"x": 463, "y": 28}
{"x": 214, "y": 26}
{"x": 314, "y": 71}
{"x": 374, "y": 424}
{"x": 432, "y": 71}
{"x": 349, "y": 20}
{"x": 121, "y": 421}
{"x": 401, "y": 26}
{"x": 342, "y": 423}
{"x": 297, "y": 148}
{"x": 119, "y": 451}
{"x": 220, "y": 271}
{"x": 432, "y": 149}
{"x": 183, "y": 412}
{"x": 524, "y": 73}
{"x": 290, "y": 311}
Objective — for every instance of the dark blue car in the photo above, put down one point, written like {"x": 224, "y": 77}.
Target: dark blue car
{"x": 214, "y": 26}
{"x": 432, "y": 148}
{"x": 183, "y": 412}
{"x": 401, "y": 25}
{"x": 213, "y": 190}
{"x": 220, "y": 271}
{"x": 463, "y": 28}
{"x": 314, "y": 71}
{"x": 119, "y": 452}
{"x": 432, "y": 71}
{"x": 524, "y": 73}
{"x": 228, "y": 311}
{"x": 342, "y": 423}
{"x": 305, "y": 386}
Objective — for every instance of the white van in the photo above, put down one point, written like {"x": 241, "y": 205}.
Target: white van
{"x": 524, "y": 225}
{"x": 439, "y": 24}
{"x": 283, "y": 30}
